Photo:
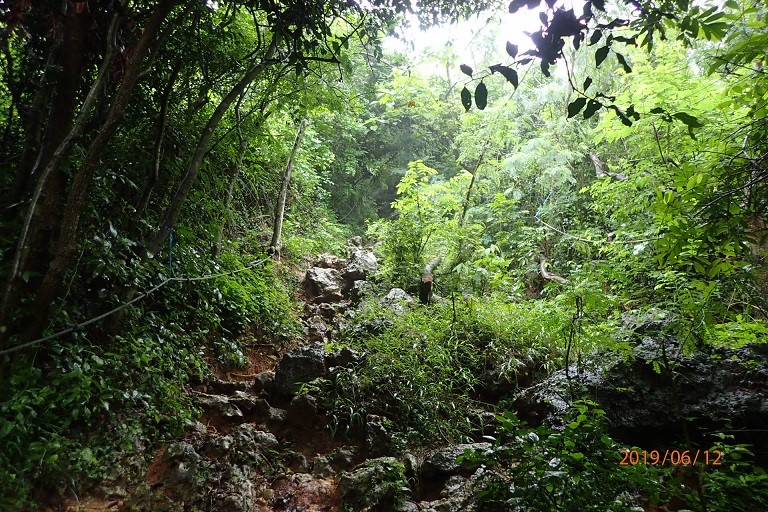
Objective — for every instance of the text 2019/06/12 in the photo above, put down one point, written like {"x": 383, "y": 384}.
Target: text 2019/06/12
{"x": 671, "y": 457}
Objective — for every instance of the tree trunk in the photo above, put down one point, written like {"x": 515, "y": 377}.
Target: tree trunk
{"x": 280, "y": 206}
{"x": 174, "y": 209}
{"x": 39, "y": 227}
{"x": 228, "y": 198}
{"x": 427, "y": 281}
{"x": 76, "y": 199}
{"x": 154, "y": 174}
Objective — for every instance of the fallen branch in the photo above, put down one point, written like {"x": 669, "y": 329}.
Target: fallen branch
{"x": 600, "y": 170}
{"x": 546, "y": 275}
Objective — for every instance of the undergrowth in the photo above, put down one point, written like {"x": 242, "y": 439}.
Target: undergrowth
{"x": 426, "y": 367}
{"x": 80, "y": 406}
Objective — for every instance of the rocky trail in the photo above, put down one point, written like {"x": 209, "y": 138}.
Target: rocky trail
{"x": 263, "y": 445}
{"x": 263, "y": 442}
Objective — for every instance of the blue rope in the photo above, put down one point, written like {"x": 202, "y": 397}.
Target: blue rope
{"x": 538, "y": 212}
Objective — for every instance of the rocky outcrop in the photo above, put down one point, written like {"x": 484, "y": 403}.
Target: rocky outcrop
{"x": 646, "y": 399}
{"x": 332, "y": 285}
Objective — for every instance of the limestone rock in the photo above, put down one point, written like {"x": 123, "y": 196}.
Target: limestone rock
{"x": 298, "y": 366}
{"x": 302, "y": 412}
{"x": 443, "y": 460}
{"x": 324, "y": 284}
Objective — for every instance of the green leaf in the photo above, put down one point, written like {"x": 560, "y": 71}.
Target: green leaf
{"x": 511, "y": 49}
{"x": 587, "y": 83}
{"x": 595, "y": 37}
{"x": 623, "y": 63}
{"x": 688, "y": 119}
{"x": 466, "y": 99}
{"x": 600, "y": 55}
{"x": 624, "y": 119}
{"x": 657, "y": 110}
{"x": 575, "y": 106}
{"x": 507, "y": 72}
{"x": 466, "y": 69}
{"x": 592, "y": 107}
{"x": 481, "y": 96}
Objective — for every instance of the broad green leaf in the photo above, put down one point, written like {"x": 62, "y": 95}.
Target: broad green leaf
{"x": 466, "y": 99}
{"x": 592, "y": 107}
{"x": 507, "y": 72}
{"x": 600, "y": 55}
{"x": 511, "y": 49}
{"x": 688, "y": 119}
{"x": 481, "y": 96}
{"x": 575, "y": 106}
{"x": 623, "y": 63}
{"x": 466, "y": 69}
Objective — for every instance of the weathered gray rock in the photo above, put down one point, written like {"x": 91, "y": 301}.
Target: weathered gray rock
{"x": 245, "y": 444}
{"x": 238, "y": 493}
{"x": 219, "y": 405}
{"x": 343, "y": 458}
{"x": 264, "y": 381}
{"x": 249, "y": 404}
{"x": 342, "y": 358}
{"x": 376, "y": 436}
{"x": 251, "y": 437}
{"x": 360, "y": 265}
{"x": 327, "y": 260}
{"x": 397, "y": 299}
{"x": 187, "y": 469}
{"x": 225, "y": 387}
{"x": 357, "y": 290}
{"x": 298, "y": 366}
{"x": 302, "y": 412}
{"x": 459, "y": 492}
{"x": 322, "y": 467}
{"x": 443, "y": 460}
{"x": 275, "y": 418}
{"x": 725, "y": 389}
{"x": 375, "y": 483}
{"x": 324, "y": 284}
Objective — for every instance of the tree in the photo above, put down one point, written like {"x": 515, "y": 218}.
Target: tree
{"x": 62, "y": 48}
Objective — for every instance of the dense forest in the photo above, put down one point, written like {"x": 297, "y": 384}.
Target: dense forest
{"x": 266, "y": 255}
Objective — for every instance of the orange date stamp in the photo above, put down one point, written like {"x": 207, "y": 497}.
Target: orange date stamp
{"x": 671, "y": 457}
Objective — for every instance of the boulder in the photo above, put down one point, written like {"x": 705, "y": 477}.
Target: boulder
{"x": 248, "y": 404}
{"x": 302, "y": 412}
{"x": 375, "y": 483}
{"x": 226, "y": 387}
{"x": 360, "y": 265}
{"x": 397, "y": 298}
{"x": 443, "y": 460}
{"x": 343, "y": 358}
{"x": 264, "y": 381}
{"x": 324, "y": 284}
{"x": 218, "y": 405}
{"x": 358, "y": 290}
{"x": 298, "y": 366}
{"x": 317, "y": 328}
{"x": 376, "y": 436}
{"x": 327, "y": 260}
